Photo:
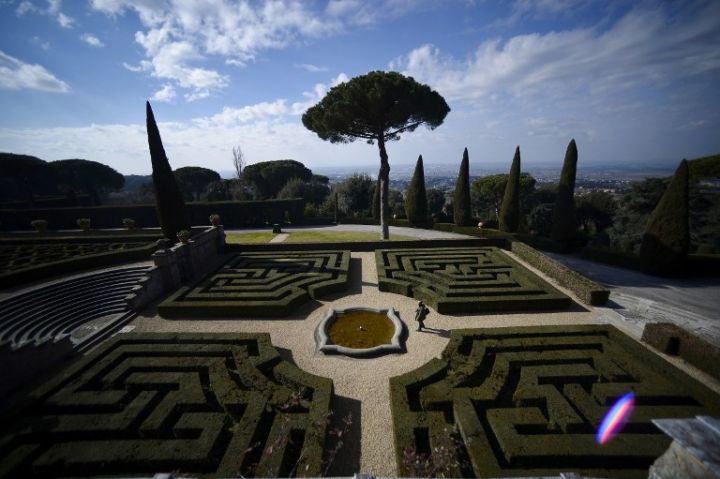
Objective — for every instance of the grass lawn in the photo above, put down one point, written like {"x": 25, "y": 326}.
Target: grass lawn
{"x": 260, "y": 237}
{"x": 337, "y": 236}
{"x": 312, "y": 237}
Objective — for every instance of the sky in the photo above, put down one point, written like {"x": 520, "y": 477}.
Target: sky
{"x": 632, "y": 82}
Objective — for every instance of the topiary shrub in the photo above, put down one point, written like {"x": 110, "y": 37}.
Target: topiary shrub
{"x": 416, "y": 207}
{"x": 171, "y": 211}
{"x": 128, "y": 223}
{"x": 84, "y": 223}
{"x": 183, "y": 236}
{"x": 510, "y": 208}
{"x": 666, "y": 240}
{"x": 39, "y": 225}
{"x": 564, "y": 226}
{"x": 461, "y": 199}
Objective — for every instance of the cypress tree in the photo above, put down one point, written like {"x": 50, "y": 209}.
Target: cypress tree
{"x": 416, "y": 207}
{"x": 510, "y": 208}
{"x": 461, "y": 199}
{"x": 169, "y": 202}
{"x": 564, "y": 225}
{"x": 666, "y": 240}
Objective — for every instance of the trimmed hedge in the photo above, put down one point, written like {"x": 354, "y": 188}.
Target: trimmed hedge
{"x": 216, "y": 405}
{"x": 666, "y": 241}
{"x": 261, "y": 284}
{"x": 611, "y": 257}
{"x": 72, "y": 260}
{"x": 465, "y": 280}
{"x": 587, "y": 291}
{"x": 234, "y": 214}
{"x": 527, "y": 401}
{"x": 671, "y": 339}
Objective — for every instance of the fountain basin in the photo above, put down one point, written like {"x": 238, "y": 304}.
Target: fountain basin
{"x": 360, "y": 332}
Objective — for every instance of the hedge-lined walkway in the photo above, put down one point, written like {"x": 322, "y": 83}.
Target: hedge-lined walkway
{"x": 362, "y": 385}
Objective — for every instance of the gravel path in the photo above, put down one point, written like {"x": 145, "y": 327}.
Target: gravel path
{"x": 363, "y": 382}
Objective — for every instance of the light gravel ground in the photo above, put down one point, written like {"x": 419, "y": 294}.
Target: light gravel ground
{"x": 365, "y": 381}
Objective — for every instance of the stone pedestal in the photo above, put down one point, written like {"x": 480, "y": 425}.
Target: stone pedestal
{"x": 694, "y": 452}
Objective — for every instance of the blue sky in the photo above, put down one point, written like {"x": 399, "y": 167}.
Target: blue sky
{"x": 630, "y": 81}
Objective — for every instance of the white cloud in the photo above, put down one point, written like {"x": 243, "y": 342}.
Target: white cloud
{"x": 65, "y": 21}
{"x": 318, "y": 92}
{"x": 541, "y": 9}
{"x": 233, "y": 116}
{"x": 644, "y": 48}
{"x": 341, "y": 78}
{"x": 196, "y": 95}
{"x": 91, "y": 40}
{"x": 143, "y": 66}
{"x": 53, "y": 9}
{"x": 342, "y": 7}
{"x": 43, "y": 44}
{"x": 18, "y": 75}
{"x": 124, "y": 147}
{"x": 365, "y": 12}
{"x": 310, "y": 67}
{"x": 165, "y": 94}
{"x": 179, "y": 35}
{"x": 25, "y": 7}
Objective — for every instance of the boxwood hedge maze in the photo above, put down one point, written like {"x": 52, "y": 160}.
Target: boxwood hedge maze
{"x": 262, "y": 284}
{"x": 213, "y": 405}
{"x": 465, "y": 280}
{"x": 528, "y": 401}
{"x": 15, "y": 257}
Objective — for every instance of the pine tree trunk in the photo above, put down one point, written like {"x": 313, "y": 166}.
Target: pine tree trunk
{"x": 384, "y": 187}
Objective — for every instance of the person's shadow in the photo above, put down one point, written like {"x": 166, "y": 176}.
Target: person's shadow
{"x": 444, "y": 333}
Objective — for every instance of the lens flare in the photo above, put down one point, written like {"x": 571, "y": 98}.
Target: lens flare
{"x": 616, "y": 418}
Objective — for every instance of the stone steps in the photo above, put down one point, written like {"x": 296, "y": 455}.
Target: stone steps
{"x": 54, "y": 311}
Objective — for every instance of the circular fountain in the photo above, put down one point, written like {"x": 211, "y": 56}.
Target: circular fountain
{"x": 360, "y": 332}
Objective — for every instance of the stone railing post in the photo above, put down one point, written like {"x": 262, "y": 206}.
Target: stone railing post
{"x": 167, "y": 267}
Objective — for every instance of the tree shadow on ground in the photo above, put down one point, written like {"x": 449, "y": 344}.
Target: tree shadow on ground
{"x": 286, "y": 354}
{"x": 354, "y": 284}
{"x": 343, "y": 460}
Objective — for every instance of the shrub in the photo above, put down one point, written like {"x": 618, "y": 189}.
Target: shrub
{"x": 84, "y": 223}
{"x": 540, "y": 219}
{"x": 461, "y": 199}
{"x": 416, "y": 206}
{"x": 39, "y": 225}
{"x": 183, "y": 236}
{"x": 564, "y": 225}
{"x": 666, "y": 240}
{"x": 510, "y": 210}
{"x": 129, "y": 223}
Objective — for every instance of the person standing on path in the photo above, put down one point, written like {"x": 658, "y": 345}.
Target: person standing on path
{"x": 420, "y": 313}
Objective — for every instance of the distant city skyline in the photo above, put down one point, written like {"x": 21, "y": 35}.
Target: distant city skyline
{"x": 632, "y": 82}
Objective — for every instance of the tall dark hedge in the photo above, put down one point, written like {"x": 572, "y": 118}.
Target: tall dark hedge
{"x": 461, "y": 200}
{"x": 666, "y": 240}
{"x": 564, "y": 225}
{"x": 510, "y": 208}
{"x": 416, "y": 206}
{"x": 169, "y": 202}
